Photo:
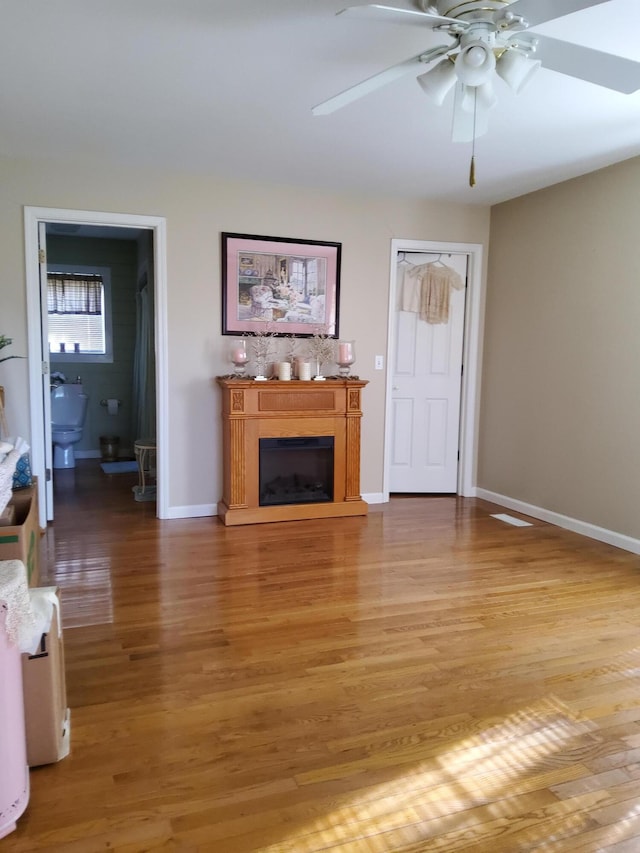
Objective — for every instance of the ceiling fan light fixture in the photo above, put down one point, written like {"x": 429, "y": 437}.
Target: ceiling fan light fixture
{"x": 480, "y": 97}
{"x": 475, "y": 63}
{"x": 438, "y": 81}
{"x": 516, "y": 68}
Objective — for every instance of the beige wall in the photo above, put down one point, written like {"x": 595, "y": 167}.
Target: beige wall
{"x": 197, "y": 209}
{"x": 561, "y": 405}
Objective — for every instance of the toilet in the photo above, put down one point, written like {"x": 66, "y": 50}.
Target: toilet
{"x": 68, "y": 411}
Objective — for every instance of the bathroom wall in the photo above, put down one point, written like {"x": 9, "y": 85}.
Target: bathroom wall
{"x": 102, "y": 381}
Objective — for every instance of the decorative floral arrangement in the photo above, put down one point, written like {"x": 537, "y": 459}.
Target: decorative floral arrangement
{"x": 321, "y": 349}
{"x": 290, "y": 349}
{"x": 262, "y": 346}
{"x": 5, "y": 342}
{"x": 58, "y": 378}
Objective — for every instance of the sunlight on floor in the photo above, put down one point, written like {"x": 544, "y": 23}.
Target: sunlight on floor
{"x": 86, "y": 589}
{"x": 449, "y": 800}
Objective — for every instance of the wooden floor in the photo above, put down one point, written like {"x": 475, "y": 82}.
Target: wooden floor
{"x": 427, "y": 678}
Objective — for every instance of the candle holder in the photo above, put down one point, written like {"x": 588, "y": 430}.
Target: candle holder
{"x": 239, "y": 356}
{"x": 346, "y": 356}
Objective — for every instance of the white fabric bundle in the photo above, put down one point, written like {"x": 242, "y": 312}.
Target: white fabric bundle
{"x": 7, "y": 470}
{"x": 14, "y": 593}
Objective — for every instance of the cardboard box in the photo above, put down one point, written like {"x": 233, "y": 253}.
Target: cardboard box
{"x": 8, "y": 516}
{"x": 21, "y": 540}
{"x": 47, "y": 721}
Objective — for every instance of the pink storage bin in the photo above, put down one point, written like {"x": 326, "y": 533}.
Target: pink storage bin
{"x": 14, "y": 772}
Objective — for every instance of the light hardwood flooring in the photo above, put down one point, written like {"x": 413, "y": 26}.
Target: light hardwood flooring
{"x": 427, "y": 678}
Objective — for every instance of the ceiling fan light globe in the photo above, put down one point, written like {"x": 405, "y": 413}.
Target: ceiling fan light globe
{"x": 475, "y": 56}
{"x": 475, "y": 64}
{"x": 438, "y": 81}
{"x": 480, "y": 97}
{"x": 516, "y": 69}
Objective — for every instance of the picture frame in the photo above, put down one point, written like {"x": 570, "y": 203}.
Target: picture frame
{"x": 280, "y": 285}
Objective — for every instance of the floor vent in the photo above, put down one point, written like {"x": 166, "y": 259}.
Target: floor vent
{"x": 510, "y": 519}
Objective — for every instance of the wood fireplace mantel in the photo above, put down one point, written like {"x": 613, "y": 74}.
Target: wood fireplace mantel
{"x": 273, "y": 409}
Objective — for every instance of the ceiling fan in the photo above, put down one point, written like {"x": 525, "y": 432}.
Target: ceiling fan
{"x": 489, "y": 38}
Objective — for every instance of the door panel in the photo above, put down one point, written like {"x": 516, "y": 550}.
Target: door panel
{"x": 437, "y": 412}
{"x": 427, "y": 374}
{"x": 402, "y": 429}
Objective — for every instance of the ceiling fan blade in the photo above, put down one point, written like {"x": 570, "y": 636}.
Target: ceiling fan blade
{"x": 604, "y": 69}
{"x": 538, "y": 11}
{"x": 378, "y": 80}
{"x": 397, "y": 15}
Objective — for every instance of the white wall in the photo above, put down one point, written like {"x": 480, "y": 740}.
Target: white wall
{"x": 197, "y": 208}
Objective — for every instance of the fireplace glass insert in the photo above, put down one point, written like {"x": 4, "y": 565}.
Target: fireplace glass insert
{"x": 296, "y": 470}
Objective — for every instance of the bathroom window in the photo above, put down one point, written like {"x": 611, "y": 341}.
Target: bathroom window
{"x": 79, "y": 314}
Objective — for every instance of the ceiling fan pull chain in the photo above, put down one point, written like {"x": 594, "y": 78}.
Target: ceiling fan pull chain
{"x": 472, "y": 167}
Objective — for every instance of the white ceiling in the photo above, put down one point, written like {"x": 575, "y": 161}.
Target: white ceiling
{"x": 226, "y": 87}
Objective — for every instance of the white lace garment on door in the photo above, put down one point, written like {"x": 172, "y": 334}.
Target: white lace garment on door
{"x": 426, "y": 291}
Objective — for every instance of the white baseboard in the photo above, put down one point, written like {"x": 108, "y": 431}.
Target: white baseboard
{"x": 619, "y": 540}
{"x": 375, "y": 498}
{"x": 197, "y": 511}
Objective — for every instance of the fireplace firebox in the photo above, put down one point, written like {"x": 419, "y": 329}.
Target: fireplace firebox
{"x": 296, "y": 470}
{"x": 290, "y": 450}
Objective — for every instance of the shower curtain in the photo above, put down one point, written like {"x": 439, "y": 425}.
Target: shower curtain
{"x": 144, "y": 367}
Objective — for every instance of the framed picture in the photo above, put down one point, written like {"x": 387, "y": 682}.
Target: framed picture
{"x": 280, "y": 285}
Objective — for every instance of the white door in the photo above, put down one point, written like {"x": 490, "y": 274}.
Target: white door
{"x": 426, "y": 388}
{"x": 46, "y": 386}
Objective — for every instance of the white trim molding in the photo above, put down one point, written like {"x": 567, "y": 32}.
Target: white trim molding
{"x": 195, "y": 511}
{"x": 32, "y": 217}
{"x": 601, "y": 534}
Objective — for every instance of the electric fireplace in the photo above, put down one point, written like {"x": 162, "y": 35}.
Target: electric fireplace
{"x": 291, "y": 450}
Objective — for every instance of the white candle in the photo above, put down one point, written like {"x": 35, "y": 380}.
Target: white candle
{"x": 304, "y": 370}
{"x": 284, "y": 371}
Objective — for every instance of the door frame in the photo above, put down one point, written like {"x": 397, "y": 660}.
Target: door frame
{"x": 471, "y": 356}
{"x": 39, "y": 361}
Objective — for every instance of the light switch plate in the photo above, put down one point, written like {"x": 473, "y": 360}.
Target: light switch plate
{"x": 379, "y": 362}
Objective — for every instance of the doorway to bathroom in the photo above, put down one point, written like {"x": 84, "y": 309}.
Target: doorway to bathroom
{"x": 125, "y": 377}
